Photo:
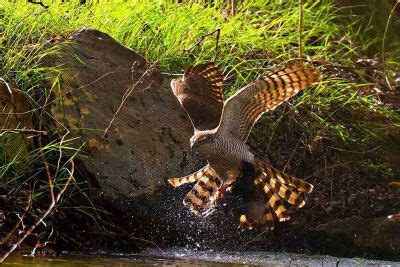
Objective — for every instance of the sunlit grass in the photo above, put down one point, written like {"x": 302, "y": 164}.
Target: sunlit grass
{"x": 261, "y": 34}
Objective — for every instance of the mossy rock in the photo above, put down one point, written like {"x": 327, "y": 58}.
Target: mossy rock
{"x": 15, "y": 116}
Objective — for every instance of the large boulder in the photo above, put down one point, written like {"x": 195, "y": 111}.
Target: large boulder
{"x": 133, "y": 132}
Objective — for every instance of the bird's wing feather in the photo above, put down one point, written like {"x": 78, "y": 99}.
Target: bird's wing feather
{"x": 200, "y": 95}
{"x": 242, "y": 110}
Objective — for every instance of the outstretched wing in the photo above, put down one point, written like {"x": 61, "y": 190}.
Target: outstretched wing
{"x": 200, "y": 94}
{"x": 243, "y": 109}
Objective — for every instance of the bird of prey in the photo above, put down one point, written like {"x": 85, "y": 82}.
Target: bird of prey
{"x": 220, "y": 134}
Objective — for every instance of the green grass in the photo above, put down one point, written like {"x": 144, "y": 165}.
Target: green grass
{"x": 342, "y": 111}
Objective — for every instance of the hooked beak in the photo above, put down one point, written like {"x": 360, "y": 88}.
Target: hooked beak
{"x": 173, "y": 84}
{"x": 192, "y": 142}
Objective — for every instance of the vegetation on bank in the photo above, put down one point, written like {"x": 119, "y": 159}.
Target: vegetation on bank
{"x": 350, "y": 121}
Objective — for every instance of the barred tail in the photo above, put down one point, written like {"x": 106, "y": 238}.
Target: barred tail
{"x": 205, "y": 191}
{"x": 274, "y": 200}
{"x": 283, "y": 178}
{"x": 277, "y": 187}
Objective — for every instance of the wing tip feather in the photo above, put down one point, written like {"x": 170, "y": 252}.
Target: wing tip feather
{"x": 173, "y": 182}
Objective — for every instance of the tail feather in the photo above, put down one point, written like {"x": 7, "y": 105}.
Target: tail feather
{"x": 259, "y": 211}
{"x": 204, "y": 193}
{"x": 284, "y": 178}
{"x": 268, "y": 219}
{"x": 300, "y": 185}
{"x": 286, "y": 193}
{"x": 277, "y": 186}
{"x": 275, "y": 201}
{"x": 191, "y": 178}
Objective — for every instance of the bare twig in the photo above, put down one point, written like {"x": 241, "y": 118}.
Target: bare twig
{"x": 147, "y": 241}
{"x": 23, "y": 131}
{"x": 40, "y": 244}
{"x": 40, "y": 3}
{"x": 201, "y": 39}
{"x": 21, "y": 218}
{"x": 255, "y": 238}
{"x": 49, "y": 178}
{"x": 300, "y": 29}
{"x": 291, "y": 156}
{"x": 233, "y": 7}
{"x": 44, "y": 216}
{"x": 383, "y": 44}
{"x": 60, "y": 153}
{"x": 126, "y": 96}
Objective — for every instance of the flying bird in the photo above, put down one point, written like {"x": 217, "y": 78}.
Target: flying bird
{"x": 221, "y": 130}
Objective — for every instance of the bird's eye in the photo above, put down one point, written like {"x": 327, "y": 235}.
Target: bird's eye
{"x": 203, "y": 138}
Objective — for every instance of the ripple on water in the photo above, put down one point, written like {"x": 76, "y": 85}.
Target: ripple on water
{"x": 185, "y": 257}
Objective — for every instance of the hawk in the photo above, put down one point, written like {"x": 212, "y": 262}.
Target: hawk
{"x": 220, "y": 134}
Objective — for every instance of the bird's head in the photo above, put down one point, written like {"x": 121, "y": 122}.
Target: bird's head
{"x": 200, "y": 138}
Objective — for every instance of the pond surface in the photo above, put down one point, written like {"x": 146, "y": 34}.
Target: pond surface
{"x": 183, "y": 257}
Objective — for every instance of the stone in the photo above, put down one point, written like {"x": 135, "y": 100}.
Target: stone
{"x": 15, "y": 116}
{"x": 133, "y": 132}
{"x": 372, "y": 237}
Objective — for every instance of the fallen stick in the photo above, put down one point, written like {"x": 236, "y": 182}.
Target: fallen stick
{"x": 21, "y": 218}
{"x": 48, "y": 211}
{"x": 202, "y": 38}
{"x": 23, "y": 131}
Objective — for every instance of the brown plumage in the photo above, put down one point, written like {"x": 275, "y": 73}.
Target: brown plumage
{"x": 200, "y": 94}
{"x": 220, "y": 135}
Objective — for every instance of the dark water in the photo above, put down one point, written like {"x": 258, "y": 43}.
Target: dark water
{"x": 184, "y": 257}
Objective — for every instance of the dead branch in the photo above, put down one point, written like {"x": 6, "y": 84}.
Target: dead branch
{"x": 383, "y": 44}
{"x": 60, "y": 153}
{"x": 41, "y": 219}
{"x": 21, "y": 218}
{"x": 233, "y": 7}
{"x": 202, "y": 38}
{"x": 49, "y": 103}
{"x": 47, "y": 168}
{"x": 126, "y": 96}
{"x": 23, "y": 131}
{"x": 146, "y": 241}
{"x": 300, "y": 29}
{"x": 294, "y": 151}
{"x": 40, "y": 3}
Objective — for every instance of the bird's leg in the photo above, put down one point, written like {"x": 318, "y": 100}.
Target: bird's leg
{"x": 231, "y": 177}
{"x": 226, "y": 187}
